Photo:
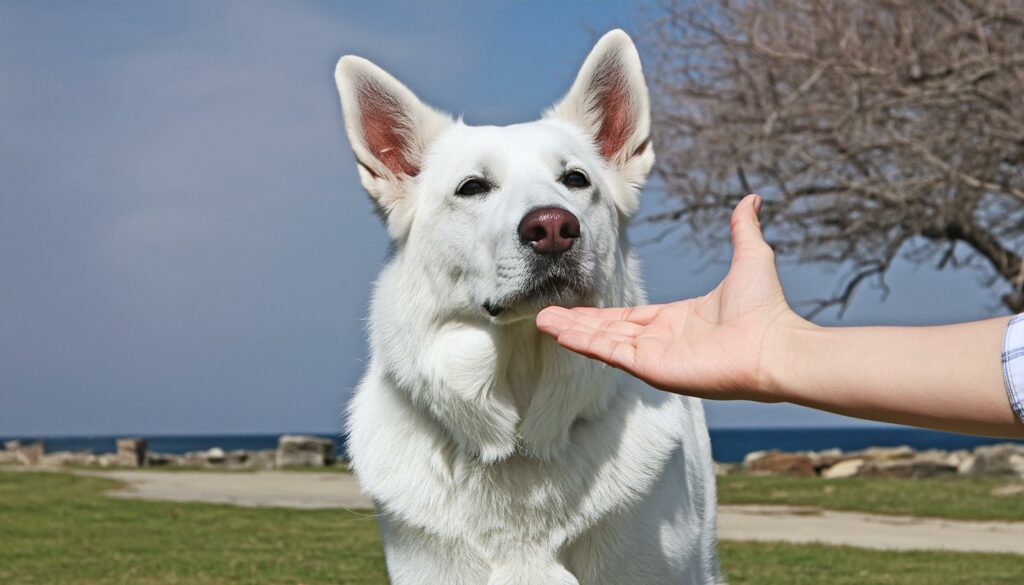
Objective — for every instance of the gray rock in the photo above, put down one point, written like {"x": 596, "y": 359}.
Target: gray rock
{"x": 907, "y": 468}
{"x": 304, "y": 451}
{"x": 843, "y": 469}
{"x": 885, "y": 453}
{"x": 31, "y": 454}
{"x": 59, "y": 458}
{"x": 753, "y": 456}
{"x": 999, "y": 459}
{"x": 957, "y": 457}
{"x": 215, "y": 455}
{"x": 12, "y": 445}
{"x": 263, "y": 459}
{"x": 237, "y": 458}
{"x": 108, "y": 460}
{"x": 131, "y": 452}
{"x": 827, "y": 458}
{"x": 780, "y": 463}
{"x": 162, "y": 459}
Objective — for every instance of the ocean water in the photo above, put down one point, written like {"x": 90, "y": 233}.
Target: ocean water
{"x": 727, "y": 445}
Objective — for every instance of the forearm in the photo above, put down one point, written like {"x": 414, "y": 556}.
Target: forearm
{"x": 948, "y": 377}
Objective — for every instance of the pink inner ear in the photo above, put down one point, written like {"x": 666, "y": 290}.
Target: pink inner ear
{"x": 385, "y": 128}
{"x": 611, "y": 104}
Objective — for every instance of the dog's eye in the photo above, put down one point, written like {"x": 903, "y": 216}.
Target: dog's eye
{"x": 473, "y": 186}
{"x": 575, "y": 180}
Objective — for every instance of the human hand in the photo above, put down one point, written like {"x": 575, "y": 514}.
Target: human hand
{"x": 715, "y": 346}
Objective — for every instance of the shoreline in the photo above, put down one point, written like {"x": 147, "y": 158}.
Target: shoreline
{"x": 729, "y": 444}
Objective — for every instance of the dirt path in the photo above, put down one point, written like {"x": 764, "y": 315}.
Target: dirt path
{"x": 759, "y": 523}
{"x": 309, "y": 490}
{"x": 877, "y": 531}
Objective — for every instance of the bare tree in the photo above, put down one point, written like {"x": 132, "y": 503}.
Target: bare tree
{"x": 874, "y": 129}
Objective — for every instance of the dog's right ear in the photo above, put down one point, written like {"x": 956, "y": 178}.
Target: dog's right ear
{"x": 389, "y": 129}
{"x": 609, "y": 101}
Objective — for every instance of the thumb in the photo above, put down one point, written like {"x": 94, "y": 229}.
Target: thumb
{"x": 745, "y": 225}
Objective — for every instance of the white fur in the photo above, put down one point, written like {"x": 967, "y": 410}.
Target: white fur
{"x": 495, "y": 456}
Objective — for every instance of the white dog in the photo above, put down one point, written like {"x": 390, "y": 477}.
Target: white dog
{"x": 495, "y": 456}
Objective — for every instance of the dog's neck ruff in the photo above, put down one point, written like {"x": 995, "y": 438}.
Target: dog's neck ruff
{"x": 500, "y": 391}
{"x": 496, "y": 390}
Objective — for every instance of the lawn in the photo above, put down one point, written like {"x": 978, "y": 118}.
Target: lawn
{"x": 813, "y": 564}
{"x": 965, "y": 498}
{"x": 59, "y": 528}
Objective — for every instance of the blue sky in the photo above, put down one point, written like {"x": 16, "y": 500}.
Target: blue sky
{"x": 184, "y": 244}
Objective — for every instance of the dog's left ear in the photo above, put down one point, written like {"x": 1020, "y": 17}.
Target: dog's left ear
{"x": 609, "y": 101}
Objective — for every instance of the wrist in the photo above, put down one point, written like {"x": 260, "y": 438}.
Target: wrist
{"x": 786, "y": 344}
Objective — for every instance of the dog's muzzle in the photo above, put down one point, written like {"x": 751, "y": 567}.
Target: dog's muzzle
{"x": 554, "y": 261}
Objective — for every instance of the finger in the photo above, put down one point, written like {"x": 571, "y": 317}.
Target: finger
{"x": 745, "y": 225}
{"x": 556, "y": 320}
{"x": 614, "y": 350}
{"x": 641, "y": 315}
{"x": 594, "y": 334}
{"x": 615, "y": 326}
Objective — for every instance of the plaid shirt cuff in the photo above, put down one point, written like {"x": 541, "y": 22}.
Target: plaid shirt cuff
{"x": 1013, "y": 364}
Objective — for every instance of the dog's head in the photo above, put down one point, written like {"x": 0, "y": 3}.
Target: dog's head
{"x": 511, "y": 218}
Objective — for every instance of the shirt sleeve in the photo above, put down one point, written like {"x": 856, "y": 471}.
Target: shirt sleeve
{"x": 1013, "y": 364}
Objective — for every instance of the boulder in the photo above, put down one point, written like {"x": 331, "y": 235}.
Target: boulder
{"x": 780, "y": 463}
{"x": 957, "y": 457}
{"x": 108, "y": 460}
{"x": 263, "y": 459}
{"x": 162, "y": 459}
{"x": 827, "y": 458}
{"x": 31, "y": 454}
{"x": 999, "y": 459}
{"x": 885, "y": 453}
{"x": 214, "y": 456}
{"x": 192, "y": 459}
{"x": 907, "y": 468}
{"x": 131, "y": 452}
{"x": 237, "y": 458}
{"x": 304, "y": 451}
{"x": 12, "y": 446}
{"x": 954, "y": 458}
{"x": 59, "y": 458}
{"x": 842, "y": 469}
{"x": 754, "y": 456}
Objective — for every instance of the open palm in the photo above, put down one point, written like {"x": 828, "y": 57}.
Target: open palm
{"x": 713, "y": 346}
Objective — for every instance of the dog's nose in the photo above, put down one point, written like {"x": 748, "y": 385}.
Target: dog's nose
{"x": 549, "y": 230}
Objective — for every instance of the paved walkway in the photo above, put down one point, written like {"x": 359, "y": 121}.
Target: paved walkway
{"x": 758, "y": 523}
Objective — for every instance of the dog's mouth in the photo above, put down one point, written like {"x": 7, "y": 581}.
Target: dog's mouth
{"x": 554, "y": 289}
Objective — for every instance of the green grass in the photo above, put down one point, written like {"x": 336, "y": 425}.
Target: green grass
{"x": 812, "y": 564}
{"x": 59, "y": 528}
{"x": 956, "y": 497}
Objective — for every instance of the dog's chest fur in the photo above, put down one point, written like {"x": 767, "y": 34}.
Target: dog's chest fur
{"x": 498, "y": 442}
